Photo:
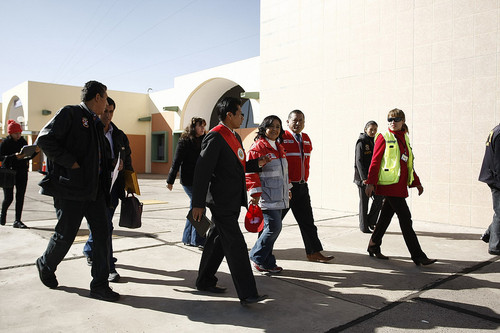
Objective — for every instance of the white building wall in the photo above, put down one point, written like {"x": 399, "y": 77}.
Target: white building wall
{"x": 346, "y": 62}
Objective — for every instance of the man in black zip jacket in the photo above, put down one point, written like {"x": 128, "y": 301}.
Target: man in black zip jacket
{"x": 490, "y": 174}
{"x": 119, "y": 146}
{"x": 79, "y": 180}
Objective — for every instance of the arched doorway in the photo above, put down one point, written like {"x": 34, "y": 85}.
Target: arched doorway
{"x": 15, "y": 111}
{"x": 202, "y": 102}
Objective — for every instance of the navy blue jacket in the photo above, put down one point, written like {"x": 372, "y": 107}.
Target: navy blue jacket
{"x": 74, "y": 136}
{"x": 490, "y": 170}
{"x": 219, "y": 178}
{"x": 363, "y": 158}
{"x": 120, "y": 145}
{"x": 8, "y": 150}
{"x": 185, "y": 158}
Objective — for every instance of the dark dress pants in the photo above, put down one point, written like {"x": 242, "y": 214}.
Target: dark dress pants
{"x": 89, "y": 245}
{"x": 8, "y": 194}
{"x": 69, "y": 215}
{"x": 398, "y": 205}
{"x": 302, "y": 211}
{"x": 226, "y": 239}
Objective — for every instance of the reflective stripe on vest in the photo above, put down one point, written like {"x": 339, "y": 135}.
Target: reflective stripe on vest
{"x": 390, "y": 165}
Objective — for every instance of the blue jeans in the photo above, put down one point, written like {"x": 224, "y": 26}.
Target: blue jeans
{"x": 494, "y": 228}
{"x": 190, "y": 236}
{"x": 261, "y": 253}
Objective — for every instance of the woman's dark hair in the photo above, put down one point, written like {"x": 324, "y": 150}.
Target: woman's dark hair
{"x": 267, "y": 122}
{"x": 190, "y": 131}
{"x": 370, "y": 123}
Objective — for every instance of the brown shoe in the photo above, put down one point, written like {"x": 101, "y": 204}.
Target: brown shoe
{"x": 318, "y": 257}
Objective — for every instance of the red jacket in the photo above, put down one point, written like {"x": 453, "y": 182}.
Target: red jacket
{"x": 272, "y": 183}
{"x": 400, "y": 189}
{"x": 298, "y": 165}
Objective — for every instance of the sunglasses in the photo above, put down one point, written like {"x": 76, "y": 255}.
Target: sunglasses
{"x": 395, "y": 119}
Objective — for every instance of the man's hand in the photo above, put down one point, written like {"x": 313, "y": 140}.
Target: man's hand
{"x": 420, "y": 189}
{"x": 170, "y": 186}
{"x": 198, "y": 213}
{"x": 120, "y": 167}
{"x": 254, "y": 200}
{"x": 369, "y": 190}
{"x": 263, "y": 160}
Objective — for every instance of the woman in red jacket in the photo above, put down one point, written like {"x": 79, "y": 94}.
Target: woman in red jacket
{"x": 391, "y": 170}
{"x": 271, "y": 187}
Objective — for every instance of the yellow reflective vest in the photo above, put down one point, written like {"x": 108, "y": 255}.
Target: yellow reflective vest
{"x": 390, "y": 166}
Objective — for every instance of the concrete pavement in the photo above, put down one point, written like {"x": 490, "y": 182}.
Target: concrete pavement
{"x": 353, "y": 293}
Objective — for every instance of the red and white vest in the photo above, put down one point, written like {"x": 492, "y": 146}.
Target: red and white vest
{"x": 298, "y": 163}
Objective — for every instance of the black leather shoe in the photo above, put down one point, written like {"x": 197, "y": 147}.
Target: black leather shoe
{"x": 3, "y": 219}
{"x": 48, "y": 278}
{"x": 423, "y": 261}
{"x": 114, "y": 276}
{"x": 105, "y": 294}
{"x": 485, "y": 237}
{"x": 214, "y": 289}
{"x": 374, "y": 250}
{"x": 20, "y": 225}
{"x": 494, "y": 252}
{"x": 253, "y": 299}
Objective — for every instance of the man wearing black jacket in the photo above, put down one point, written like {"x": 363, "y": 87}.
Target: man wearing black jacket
{"x": 219, "y": 183}
{"x": 490, "y": 174}
{"x": 78, "y": 177}
{"x": 119, "y": 146}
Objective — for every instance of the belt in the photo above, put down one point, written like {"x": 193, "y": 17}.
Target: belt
{"x": 300, "y": 182}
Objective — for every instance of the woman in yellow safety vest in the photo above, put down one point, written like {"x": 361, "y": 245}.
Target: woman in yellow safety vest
{"x": 391, "y": 173}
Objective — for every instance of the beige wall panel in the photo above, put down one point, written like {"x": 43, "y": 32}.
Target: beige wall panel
{"x": 346, "y": 62}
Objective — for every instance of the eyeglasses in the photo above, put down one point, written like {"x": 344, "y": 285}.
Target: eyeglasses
{"x": 395, "y": 119}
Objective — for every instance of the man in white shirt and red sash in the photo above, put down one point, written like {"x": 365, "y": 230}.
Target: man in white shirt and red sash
{"x": 219, "y": 183}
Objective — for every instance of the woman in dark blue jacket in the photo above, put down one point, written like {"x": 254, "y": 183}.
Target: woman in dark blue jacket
{"x": 363, "y": 158}
{"x": 11, "y": 158}
{"x": 186, "y": 155}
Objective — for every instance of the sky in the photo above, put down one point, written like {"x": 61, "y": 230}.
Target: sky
{"x": 129, "y": 45}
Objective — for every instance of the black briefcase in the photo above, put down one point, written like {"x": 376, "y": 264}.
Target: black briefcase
{"x": 130, "y": 212}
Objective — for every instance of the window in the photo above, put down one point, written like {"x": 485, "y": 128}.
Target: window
{"x": 159, "y": 147}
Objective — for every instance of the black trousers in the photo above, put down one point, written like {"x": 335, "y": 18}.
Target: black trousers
{"x": 8, "y": 194}
{"x": 302, "y": 211}
{"x": 69, "y": 215}
{"x": 398, "y": 205}
{"x": 226, "y": 239}
{"x": 368, "y": 218}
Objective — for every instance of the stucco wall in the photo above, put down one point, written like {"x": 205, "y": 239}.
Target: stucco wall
{"x": 38, "y": 96}
{"x": 346, "y": 62}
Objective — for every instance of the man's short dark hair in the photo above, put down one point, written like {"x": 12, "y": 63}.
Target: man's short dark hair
{"x": 91, "y": 89}
{"x": 111, "y": 102}
{"x": 227, "y": 104}
{"x": 296, "y": 112}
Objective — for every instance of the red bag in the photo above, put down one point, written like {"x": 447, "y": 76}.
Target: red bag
{"x": 254, "y": 220}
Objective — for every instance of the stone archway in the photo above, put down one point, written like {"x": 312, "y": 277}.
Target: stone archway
{"x": 203, "y": 99}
